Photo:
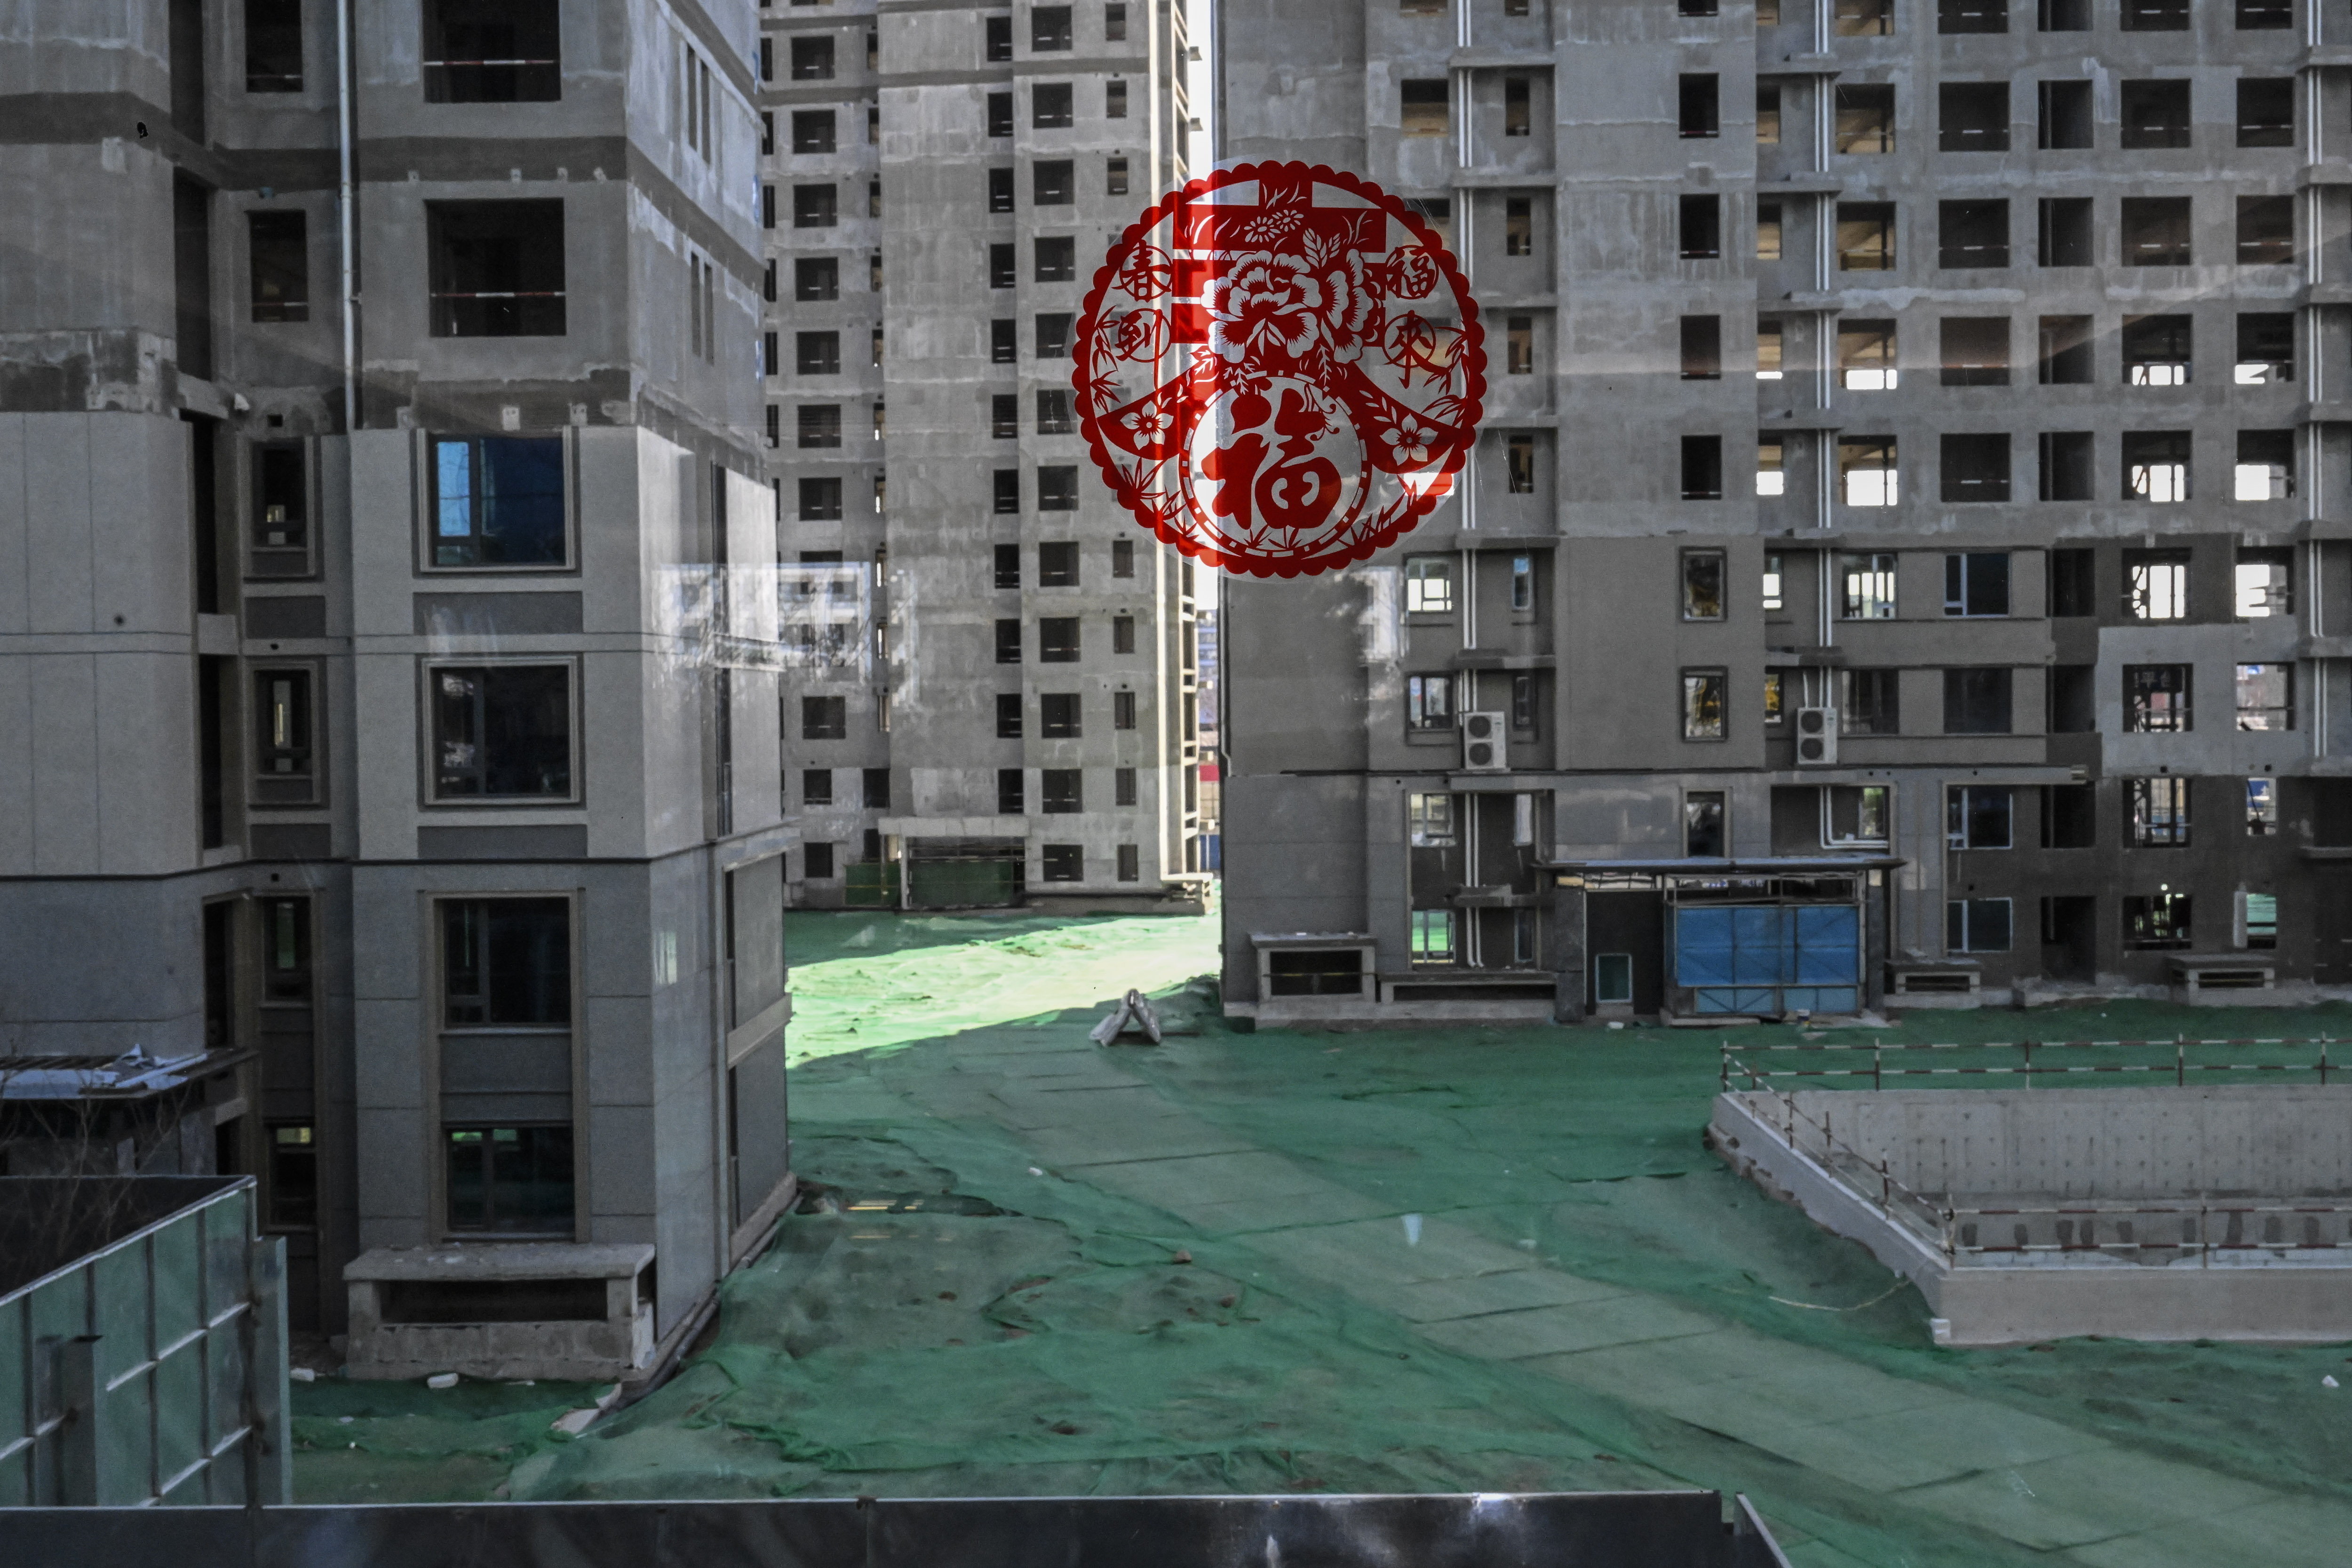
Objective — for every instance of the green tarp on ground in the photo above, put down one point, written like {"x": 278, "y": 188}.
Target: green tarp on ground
{"x": 1467, "y": 1259}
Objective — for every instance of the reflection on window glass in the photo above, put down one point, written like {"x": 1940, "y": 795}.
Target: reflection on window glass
{"x": 497, "y": 501}
{"x": 1429, "y": 585}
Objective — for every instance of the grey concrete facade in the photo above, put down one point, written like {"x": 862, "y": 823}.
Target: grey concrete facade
{"x": 936, "y": 216}
{"x": 1988, "y": 301}
{"x": 280, "y": 714}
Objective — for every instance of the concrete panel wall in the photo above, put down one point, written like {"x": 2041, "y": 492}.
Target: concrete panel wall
{"x": 2102, "y": 1143}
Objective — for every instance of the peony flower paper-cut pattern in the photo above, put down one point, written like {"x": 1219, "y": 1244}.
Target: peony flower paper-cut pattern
{"x": 1278, "y": 369}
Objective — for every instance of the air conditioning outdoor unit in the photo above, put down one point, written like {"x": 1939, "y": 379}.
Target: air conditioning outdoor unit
{"x": 1482, "y": 746}
{"x": 1817, "y": 736}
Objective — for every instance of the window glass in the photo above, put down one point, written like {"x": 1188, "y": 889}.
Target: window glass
{"x": 1978, "y": 817}
{"x": 497, "y": 501}
{"x": 1431, "y": 820}
{"x": 510, "y": 1180}
{"x": 282, "y": 708}
{"x": 1978, "y": 925}
{"x": 1429, "y": 585}
{"x": 1429, "y": 702}
{"x": 1703, "y": 824}
{"x": 1703, "y": 584}
{"x": 1866, "y": 586}
{"x": 1703, "y": 714}
{"x": 2266, "y": 696}
{"x": 505, "y": 962}
{"x": 1433, "y": 936}
{"x": 501, "y": 731}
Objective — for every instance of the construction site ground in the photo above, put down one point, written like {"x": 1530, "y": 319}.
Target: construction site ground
{"x": 1458, "y": 1259}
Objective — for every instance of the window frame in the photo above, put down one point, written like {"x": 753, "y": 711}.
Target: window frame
{"x": 429, "y": 667}
{"x": 312, "y": 778}
{"x": 427, "y": 491}
{"x": 438, "y": 1028}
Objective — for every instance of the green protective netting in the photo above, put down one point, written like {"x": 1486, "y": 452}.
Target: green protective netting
{"x": 976, "y": 1304}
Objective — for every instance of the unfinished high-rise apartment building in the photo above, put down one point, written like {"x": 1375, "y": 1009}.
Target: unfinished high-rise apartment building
{"x": 1906, "y": 558}
{"x": 990, "y": 672}
{"x": 380, "y": 727}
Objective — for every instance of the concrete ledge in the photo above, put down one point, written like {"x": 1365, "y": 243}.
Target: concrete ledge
{"x": 489, "y": 1310}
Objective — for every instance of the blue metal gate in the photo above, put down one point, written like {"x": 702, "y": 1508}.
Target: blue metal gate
{"x": 1768, "y": 958}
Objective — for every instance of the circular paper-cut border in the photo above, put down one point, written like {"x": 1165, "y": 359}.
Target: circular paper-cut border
{"x": 1432, "y": 484}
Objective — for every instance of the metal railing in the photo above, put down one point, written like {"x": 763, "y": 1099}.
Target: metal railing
{"x": 1735, "y": 1064}
{"x": 2123, "y": 1228}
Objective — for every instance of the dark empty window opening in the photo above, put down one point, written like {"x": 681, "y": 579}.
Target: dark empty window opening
{"x": 2155, "y": 231}
{"x": 492, "y": 51}
{"x": 279, "y": 258}
{"x": 2266, "y": 348}
{"x": 817, "y": 277}
{"x": 1053, "y": 182}
{"x": 817, "y": 354}
{"x": 1701, "y": 228}
{"x": 1058, "y": 259}
{"x": 1972, "y": 233}
{"x": 1049, "y": 105}
{"x": 1058, "y": 488}
{"x": 2155, "y": 114}
{"x": 812, "y": 131}
{"x": 1057, "y": 565}
{"x": 1000, "y": 114}
{"x": 2155, "y": 16}
{"x": 825, "y": 719}
{"x": 2065, "y": 116}
{"x": 2063, "y": 232}
{"x": 1054, "y": 416}
{"x": 1973, "y": 15}
{"x": 2065, "y": 355}
{"x": 813, "y": 58}
{"x": 1972, "y": 117}
{"x": 820, "y": 500}
{"x": 2158, "y": 350}
{"x": 1977, "y": 701}
{"x": 1058, "y": 640}
{"x": 1699, "y": 99}
{"x": 819, "y": 425}
{"x": 1976, "y": 351}
{"x": 1049, "y": 28}
{"x": 1975, "y": 467}
{"x": 2266, "y": 111}
{"x": 496, "y": 269}
{"x": 1702, "y": 348}
{"x": 999, "y": 190}
{"x": 1702, "y": 467}
{"x": 2067, "y": 467}
{"x": 1865, "y": 119}
{"x": 1053, "y": 336}
{"x": 273, "y": 46}
{"x": 815, "y": 206}
{"x": 1865, "y": 236}
{"x": 2265, "y": 230}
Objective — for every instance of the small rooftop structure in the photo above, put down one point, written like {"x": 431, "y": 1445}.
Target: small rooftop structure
{"x": 2170, "y": 1211}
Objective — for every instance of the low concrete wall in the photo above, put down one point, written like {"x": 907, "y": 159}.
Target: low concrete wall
{"x": 2263, "y": 1294}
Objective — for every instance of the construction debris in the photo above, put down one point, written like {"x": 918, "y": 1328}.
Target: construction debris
{"x": 1133, "y": 1015}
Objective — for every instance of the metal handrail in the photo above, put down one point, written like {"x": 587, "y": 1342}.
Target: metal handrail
{"x": 1732, "y": 1063}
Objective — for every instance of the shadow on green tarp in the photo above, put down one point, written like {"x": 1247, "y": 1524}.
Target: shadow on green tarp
{"x": 1058, "y": 1346}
